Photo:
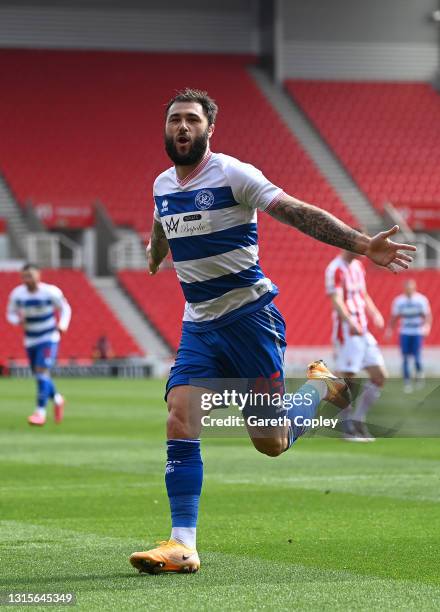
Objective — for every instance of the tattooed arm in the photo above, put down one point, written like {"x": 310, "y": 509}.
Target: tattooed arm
{"x": 157, "y": 248}
{"x": 324, "y": 226}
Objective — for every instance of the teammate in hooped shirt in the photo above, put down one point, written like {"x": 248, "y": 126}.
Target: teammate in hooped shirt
{"x": 44, "y": 313}
{"x": 414, "y": 312}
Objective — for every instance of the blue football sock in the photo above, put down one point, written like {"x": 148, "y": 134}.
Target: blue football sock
{"x": 43, "y": 390}
{"x": 311, "y": 393}
{"x": 406, "y": 374}
{"x": 183, "y": 478}
{"x": 52, "y": 388}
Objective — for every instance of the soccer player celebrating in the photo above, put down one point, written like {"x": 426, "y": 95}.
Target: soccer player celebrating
{"x": 414, "y": 311}
{"x": 34, "y": 305}
{"x": 206, "y": 213}
{"x": 355, "y": 347}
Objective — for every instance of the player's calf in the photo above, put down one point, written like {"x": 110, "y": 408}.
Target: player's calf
{"x": 322, "y": 385}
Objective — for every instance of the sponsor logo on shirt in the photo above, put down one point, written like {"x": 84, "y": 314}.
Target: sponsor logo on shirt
{"x": 185, "y": 225}
{"x": 192, "y": 217}
{"x": 172, "y": 225}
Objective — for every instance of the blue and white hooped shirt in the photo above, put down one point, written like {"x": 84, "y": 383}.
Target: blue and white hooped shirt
{"x": 412, "y": 312}
{"x": 37, "y": 310}
{"x": 210, "y": 221}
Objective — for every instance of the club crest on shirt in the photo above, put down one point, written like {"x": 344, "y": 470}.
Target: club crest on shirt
{"x": 204, "y": 199}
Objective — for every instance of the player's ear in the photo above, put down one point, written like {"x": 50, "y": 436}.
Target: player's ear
{"x": 211, "y": 129}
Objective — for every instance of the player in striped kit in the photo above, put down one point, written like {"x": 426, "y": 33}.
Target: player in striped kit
{"x": 356, "y": 348}
{"x": 206, "y": 213}
{"x": 414, "y": 311}
{"x": 34, "y": 306}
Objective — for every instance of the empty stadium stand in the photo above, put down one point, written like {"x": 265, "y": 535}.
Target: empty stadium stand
{"x": 93, "y": 130}
{"x": 388, "y": 137}
{"x": 302, "y": 301}
{"x": 384, "y": 286}
{"x": 160, "y": 298}
{"x": 91, "y": 319}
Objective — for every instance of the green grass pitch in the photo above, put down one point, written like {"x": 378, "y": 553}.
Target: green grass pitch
{"x": 327, "y": 526}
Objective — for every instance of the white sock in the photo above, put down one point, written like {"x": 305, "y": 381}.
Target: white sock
{"x": 184, "y": 535}
{"x": 41, "y": 411}
{"x": 370, "y": 393}
{"x": 58, "y": 398}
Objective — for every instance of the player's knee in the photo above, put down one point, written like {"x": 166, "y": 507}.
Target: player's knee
{"x": 177, "y": 422}
{"x": 272, "y": 447}
{"x": 177, "y": 426}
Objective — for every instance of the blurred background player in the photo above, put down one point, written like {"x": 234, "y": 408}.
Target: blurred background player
{"x": 356, "y": 348}
{"x": 34, "y": 305}
{"x": 414, "y": 311}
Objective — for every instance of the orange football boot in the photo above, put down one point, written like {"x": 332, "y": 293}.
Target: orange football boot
{"x": 169, "y": 556}
{"x": 338, "y": 392}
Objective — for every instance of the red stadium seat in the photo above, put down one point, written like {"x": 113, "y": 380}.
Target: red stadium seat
{"x": 386, "y": 134}
{"x": 302, "y": 300}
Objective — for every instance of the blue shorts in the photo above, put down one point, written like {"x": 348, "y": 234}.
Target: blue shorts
{"x": 411, "y": 344}
{"x": 42, "y": 355}
{"x": 250, "y": 347}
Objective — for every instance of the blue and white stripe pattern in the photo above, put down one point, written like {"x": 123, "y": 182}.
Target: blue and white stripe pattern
{"x": 210, "y": 220}
{"x": 412, "y": 312}
{"x": 37, "y": 310}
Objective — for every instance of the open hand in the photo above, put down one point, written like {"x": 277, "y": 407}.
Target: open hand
{"x": 384, "y": 252}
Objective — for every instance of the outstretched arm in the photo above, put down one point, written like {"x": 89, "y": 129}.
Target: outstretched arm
{"x": 157, "y": 248}
{"x": 324, "y": 226}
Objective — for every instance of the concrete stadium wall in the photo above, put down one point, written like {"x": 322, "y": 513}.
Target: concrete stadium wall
{"x": 331, "y": 39}
{"x": 355, "y": 39}
{"x": 225, "y": 26}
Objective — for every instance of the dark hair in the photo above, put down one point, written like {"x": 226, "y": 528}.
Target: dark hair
{"x": 196, "y": 95}
{"x": 29, "y": 266}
